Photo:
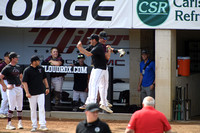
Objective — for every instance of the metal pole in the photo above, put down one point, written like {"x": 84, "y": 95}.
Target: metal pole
{"x": 48, "y": 97}
{"x": 110, "y": 88}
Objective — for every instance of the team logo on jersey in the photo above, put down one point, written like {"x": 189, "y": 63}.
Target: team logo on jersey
{"x": 15, "y": 70}
{"x": 153, "y": 12}
{"x": 97, "y": 129}
{"x": 40, "y": 70}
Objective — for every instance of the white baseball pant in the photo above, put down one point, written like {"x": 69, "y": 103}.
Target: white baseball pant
{"x": 95, "y": 78}
{"x": 103, "y": 88}
{"x": 15, "y": 98}
{"x": 79, "y": 94}
{"x": 4, "y": 101}
{"x": 56, "y": 83}
{"x": 33, "y": 101}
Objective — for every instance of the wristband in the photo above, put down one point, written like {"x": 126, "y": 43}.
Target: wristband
{"x": 115, "y": 51}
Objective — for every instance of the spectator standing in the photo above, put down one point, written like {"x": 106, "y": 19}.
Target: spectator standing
{"x": 36, "y": 86}
{"x": 148, "y": 119}
{"x": 146, "y": 83}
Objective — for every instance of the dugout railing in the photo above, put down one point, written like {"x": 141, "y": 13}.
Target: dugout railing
{"x": 68, "y": 70}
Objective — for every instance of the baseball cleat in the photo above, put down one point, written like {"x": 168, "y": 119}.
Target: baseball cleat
{"x": 83, "y": 107}
{"x": 43, "y": 128}
{"x": 10, "y": 127}
{"x": 2, "y": 116}
{"x": 107, "y": 109}
{"x": 109, "y": 104}
{"x": 33, "y": 129}
{"x": 20, "y": 126}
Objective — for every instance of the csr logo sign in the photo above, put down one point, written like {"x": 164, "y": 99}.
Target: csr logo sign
{"x": 95, "y": 8}
{"x": 153, "y": 12}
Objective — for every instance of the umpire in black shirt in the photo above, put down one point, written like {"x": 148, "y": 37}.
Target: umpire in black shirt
{"x": 92, "y": 124}
{"x": 36, "y": 86}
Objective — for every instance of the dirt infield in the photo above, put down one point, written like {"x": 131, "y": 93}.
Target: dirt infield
{"x": 69, "y": 126}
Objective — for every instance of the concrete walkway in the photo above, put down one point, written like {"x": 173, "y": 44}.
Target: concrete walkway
{"x": 80, "y": 115}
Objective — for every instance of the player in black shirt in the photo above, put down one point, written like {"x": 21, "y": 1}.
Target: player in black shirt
{"x": 35, "y": 85}
{"x": 103, "y": 86}
{"x": 80, "y": 87}
{"x": 92, "y": 124}
{"x": 97, "y": 53}
{"x": 13, "y": 73}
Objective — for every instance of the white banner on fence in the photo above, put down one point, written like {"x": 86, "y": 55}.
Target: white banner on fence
{"x": 65, "y": 69}
{"x": 166, "y": 14}
{"x": 66, "y": 13}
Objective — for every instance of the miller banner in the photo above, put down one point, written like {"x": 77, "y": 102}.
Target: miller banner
{"x": 66, "y": 13}
{"x": 166, "y": 14}
{"x": 38, "y": 41}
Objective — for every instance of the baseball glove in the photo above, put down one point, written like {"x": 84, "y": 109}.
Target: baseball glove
{"x": 121, "y": 52}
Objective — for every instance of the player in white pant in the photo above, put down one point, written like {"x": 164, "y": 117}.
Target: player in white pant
{"x": 40, "y": 100}
{"x": 15, "y": 99}
{"x": 103, "y": 86}
{"x": 36, "y": 85}
{"x": 95, "y": 78}
{"x": 4, "y": 102}
{"x": 13, "y": 73}
{"x": 80, "y": 88}
{"x": 96, "y": 51}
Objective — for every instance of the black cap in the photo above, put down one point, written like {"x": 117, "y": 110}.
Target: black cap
{"x": 81, "y": 56}
{"x": 6, "y": 54}
{"x": 144, "y": 51}
{"x": 92, "y": 107}
{"x": 13, "y": 55}
{"x": 34, "y": 58}
{"x": 103, "y": 35}
{"x": 94, "y": 36}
